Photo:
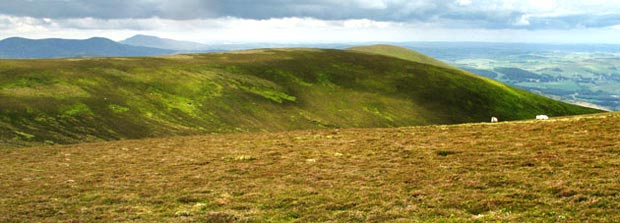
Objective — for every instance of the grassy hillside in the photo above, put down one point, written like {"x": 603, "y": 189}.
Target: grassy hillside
{"x": 401, "y": 53}
{"x": 78, "y": 100}
{"x": 560, "y": 170}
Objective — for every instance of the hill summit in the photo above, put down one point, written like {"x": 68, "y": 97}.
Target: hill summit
{"x": 77, "y": 100}
{"x": 401, "y": 53}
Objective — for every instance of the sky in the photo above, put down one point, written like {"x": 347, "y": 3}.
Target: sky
{"x": 317, "y": 21}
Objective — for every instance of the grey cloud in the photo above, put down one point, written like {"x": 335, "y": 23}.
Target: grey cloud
{"x": 447, "y": 13}
{"x": 482, "y": 19}
{"x": 574, "y": 21}
{"x": 108, "y": 9}
{"x": 337, "y": 10}
{"x": 195, "y": 9}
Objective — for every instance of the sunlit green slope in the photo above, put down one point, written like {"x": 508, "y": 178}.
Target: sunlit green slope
{"x": 77, "y": 100}
{"x": 401, "y": 53}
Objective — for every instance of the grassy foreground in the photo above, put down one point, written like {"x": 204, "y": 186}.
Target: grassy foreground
{"x": 561, "y": 170}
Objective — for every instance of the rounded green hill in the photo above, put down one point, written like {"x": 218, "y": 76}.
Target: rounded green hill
{"x": 76, "y": 100}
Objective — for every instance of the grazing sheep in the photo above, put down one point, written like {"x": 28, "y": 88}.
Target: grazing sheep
{"x": 542, "y": 117}
{"x": 494, "y": 120}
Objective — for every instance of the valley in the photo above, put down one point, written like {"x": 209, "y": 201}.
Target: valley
{"x": 582, "y": 74}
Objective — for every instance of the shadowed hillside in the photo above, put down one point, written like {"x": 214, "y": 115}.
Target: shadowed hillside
{"x": 77, "y": 100}
{"x": 560, "y": 170}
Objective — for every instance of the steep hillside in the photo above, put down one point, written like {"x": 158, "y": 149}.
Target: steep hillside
{"x": 77, "y": 100}
{"x": 401, "y": 53}
{"x": 560, "y": 170}
{"x": 65, "y": 48}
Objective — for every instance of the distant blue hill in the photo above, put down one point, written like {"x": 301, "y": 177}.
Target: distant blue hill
{"x": 162, "y": 43}
{"x": 194, "y": 47}
{"x": 22, "y": 48}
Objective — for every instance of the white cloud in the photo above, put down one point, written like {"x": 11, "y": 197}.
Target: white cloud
{"x": 542, "y": 5}
{"x": 386, "y": 20}
{"x": 365, "y": 23}
{"x": 463, "y": 2}
{"x": 372, "y": 4}
{"x": 227, "y": 29}
{"x": 523, "y": 21}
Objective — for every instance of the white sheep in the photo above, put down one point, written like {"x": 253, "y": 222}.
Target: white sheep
{"x": 542, "y": 117}
{"x": 494, "y": 119}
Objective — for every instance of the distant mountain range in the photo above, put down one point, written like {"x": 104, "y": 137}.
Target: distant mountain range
{"x": 138, "y": 45}
{"x": 162, "y": 43}
{"x": 21, "y": 48}
{"x": 194, "y": 47}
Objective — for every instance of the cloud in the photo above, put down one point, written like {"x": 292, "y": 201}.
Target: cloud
{"x": 287, "y": 30}
{"x": 305, "y": 19}
{"x": 463, "y": 2}
{"x": 490, "y": 14}
{"x": 524, "y": 20}
{"x": 226, "y": 29}
{"x": 455, "y": 13}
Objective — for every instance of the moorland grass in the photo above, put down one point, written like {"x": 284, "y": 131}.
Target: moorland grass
{"x": 401, "y": 53}
{"x": 560, "y": 170}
